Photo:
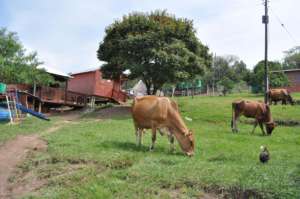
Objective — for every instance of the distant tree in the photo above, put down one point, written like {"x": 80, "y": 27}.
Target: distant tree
{"x": 15, "y": 65}
{"x": 226, "y": 72}
{"x": 242, "y": 73}
{"x": 292, "y": 58}
{"x": 226, "y": 84}
{"x": 156, "y": 47}
{"x": 277, "y": 79}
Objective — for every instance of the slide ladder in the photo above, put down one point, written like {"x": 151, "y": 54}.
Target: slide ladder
{"x": 11, "y": 101}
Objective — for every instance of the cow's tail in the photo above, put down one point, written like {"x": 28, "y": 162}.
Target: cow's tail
{"x": 232, "y": 115}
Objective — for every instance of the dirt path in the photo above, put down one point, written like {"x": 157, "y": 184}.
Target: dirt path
{"x": 11, "y": 154}
{"x": 14, "y": 152}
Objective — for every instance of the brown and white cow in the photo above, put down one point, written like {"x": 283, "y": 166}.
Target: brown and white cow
{"x": 152, "y": 112}
{"x": 253, "y": 109}
{"x": 280, "y": 94}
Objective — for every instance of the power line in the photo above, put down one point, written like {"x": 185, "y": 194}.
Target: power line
{"x": 283, "y": 26}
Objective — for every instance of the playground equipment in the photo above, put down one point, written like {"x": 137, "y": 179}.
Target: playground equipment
{"x": 14, "y": 108}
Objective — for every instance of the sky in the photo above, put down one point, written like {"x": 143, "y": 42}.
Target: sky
{"x": 66, "y": 33}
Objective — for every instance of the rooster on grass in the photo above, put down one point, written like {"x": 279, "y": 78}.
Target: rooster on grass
{"x": 264, "y": 155}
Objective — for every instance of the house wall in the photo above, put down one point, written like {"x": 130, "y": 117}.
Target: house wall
{"x": 92, "y": 83}
{"x": 294, "y": 80}
{"x": 82, "y": 83}
{"x": 103, "y": 87}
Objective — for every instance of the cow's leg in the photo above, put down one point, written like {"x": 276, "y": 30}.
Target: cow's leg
{"x": 262, "y": 128}
{"x": 153, "y": 138}
{"x": 136, "y": 134}
{"x": 171, "y": 139}
{"x": 234, "y": 123}
{"x": 255, "y": 124}
{"x": 140, "y": 136}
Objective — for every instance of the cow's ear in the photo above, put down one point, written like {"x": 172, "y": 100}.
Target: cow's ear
{"x": 189, "y": 133}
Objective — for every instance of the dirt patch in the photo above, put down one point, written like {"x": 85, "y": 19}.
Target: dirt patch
{"x": 25, "y": 183}
{"x": 111, "y": 112}
{"x": 278, "y": 122}
{"x": 120, "y": 164}
{"x": 13, "y": 153}
{"x": 287, "y": 122}
{"x": 69, "y": 115}
{"x": 233, "y": 192}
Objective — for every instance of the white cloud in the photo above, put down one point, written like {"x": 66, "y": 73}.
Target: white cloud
{"x": 66, "y": 33}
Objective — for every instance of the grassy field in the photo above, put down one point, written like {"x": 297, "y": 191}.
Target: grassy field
{"x": 97, "y": 158}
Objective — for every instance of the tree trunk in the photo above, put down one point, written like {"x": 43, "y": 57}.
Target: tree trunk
{"x": 173, "y": 90}
{"x": 154, "y": 90}
{"x": 148, "y": 89}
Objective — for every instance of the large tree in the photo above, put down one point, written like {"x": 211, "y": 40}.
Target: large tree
{"x": 17, "y": 66}
{"x": 156, "y": 47}
{"x": 277, "y": 79}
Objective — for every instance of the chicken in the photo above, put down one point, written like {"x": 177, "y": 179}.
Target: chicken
{"x": 264, "y": 155}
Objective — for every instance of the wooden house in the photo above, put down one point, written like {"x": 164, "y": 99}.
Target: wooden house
{"x": 42, "y": 98}
{"x": 92, "y": 84}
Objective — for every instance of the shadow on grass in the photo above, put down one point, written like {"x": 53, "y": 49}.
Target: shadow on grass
{"x": 130, "y": 146}
{"x": 256, "y": 134}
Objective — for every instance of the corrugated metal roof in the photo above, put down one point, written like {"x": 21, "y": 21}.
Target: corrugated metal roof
{"x": 53, "y": 71}
{"x": 288, "y": 70}
{"x": 85, "y": 71}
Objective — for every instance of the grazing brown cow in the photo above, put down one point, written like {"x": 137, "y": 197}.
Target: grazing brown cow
{"x": 253, "y": 109}
{"x": 282, "y": 95}
{"x": 152, "y": 112}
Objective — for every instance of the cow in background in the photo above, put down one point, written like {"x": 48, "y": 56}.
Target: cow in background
{"x": 282, "y": 95}
{"x": 152, "y": 112}
{"x": 253, "y": 109}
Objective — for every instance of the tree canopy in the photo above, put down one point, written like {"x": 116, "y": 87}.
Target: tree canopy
{"x": 292, "y": 58}
{"x": 17, "y": 66}
{"x": 157, "y": 47}
{"x": 277, "y": 79}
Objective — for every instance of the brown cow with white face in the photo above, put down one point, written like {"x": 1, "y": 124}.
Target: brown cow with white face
{"x": 152, "y": 112}
{"x": 253, "y": 109}
{"x": 280, "y": 94}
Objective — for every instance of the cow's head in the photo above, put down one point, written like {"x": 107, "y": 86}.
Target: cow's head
{"x": 187, "y": 143}
{"x": 290, "y": 99}
{"x": 270, "y": 127}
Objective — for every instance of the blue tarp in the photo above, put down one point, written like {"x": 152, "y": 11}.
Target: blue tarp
{"x": 4, "y": 114}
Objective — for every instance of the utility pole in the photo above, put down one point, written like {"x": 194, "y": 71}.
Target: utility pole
{"x": 265, "y": 20}
{"x": 213, "y": 77}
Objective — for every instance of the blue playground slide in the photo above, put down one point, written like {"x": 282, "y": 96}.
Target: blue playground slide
{"x": 31, "y": 112}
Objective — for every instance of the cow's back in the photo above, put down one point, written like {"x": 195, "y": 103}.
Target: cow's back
{"x": 148, "y": 110}
{"x": 249, "y": 108}
{"x": 278, "y": 94}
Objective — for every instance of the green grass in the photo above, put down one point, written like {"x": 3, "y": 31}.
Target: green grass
{"x": 99, "y": 159}
{"x": 30, "y": 125}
